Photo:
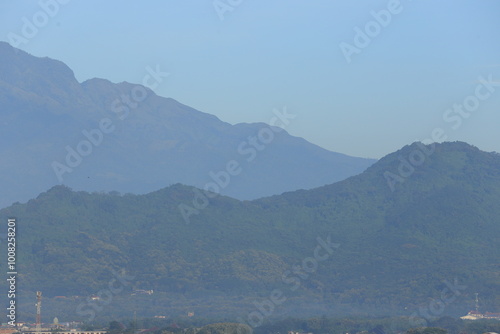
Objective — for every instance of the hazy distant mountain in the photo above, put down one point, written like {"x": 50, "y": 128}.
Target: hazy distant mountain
{"x": 101, "y": 136}
{"x": 389, "y": 251}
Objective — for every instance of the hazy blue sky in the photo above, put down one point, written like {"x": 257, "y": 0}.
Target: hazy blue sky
{"x": 270, "y": 54}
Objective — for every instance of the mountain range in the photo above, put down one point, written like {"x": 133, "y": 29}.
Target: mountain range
{"x": 410, "y": 236}
{"x": 102, "y": 136}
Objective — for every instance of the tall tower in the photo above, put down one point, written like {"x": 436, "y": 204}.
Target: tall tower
{"x": 477, "y": 303}
{"x": 38, "y": 311}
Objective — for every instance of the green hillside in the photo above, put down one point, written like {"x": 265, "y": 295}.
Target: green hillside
{"x": 395, "y": 250}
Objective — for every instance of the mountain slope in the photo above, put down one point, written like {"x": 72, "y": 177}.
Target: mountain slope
{"x": 397, "y": 251}
{"x": 98, "y": 135}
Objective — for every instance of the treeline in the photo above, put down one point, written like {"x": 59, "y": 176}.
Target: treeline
{"x": 321, "y": 325}
{"x": 393, "y": 325}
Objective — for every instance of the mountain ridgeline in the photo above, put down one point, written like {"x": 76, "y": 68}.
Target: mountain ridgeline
{"x": 358, "y": 245}
{"x": 102, "y": 136}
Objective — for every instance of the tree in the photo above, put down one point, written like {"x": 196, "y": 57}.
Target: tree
{"x": 427, "y": 330}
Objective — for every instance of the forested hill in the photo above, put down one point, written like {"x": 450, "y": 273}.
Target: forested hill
{"x": 403, "y": 232}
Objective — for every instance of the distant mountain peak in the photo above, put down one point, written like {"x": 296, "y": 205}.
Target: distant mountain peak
{"x": 43, "y": 77}
{"x": 151, "y": 141}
